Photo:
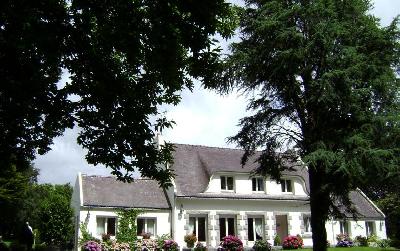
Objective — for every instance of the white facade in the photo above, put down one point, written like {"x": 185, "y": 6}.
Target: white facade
{"x": 234, "y": 202}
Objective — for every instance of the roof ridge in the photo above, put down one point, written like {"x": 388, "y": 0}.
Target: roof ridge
{"x": 203, "y": 146}
{"x": 110, "y": 176}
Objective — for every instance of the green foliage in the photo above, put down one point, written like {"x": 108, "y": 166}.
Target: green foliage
{"x": 85, "y": 235}
{"x": 277, "y": 240}
{"x": 322, "y": 78}
{"x": 160, "y": 240}
{"x": 127, "y": 229}
{"x": 383, "y": 243}
{"x": 125, "y": 58}
{"x": 361, "y": 241}
{"x": 262, "y": 245}
{"x": 56, "y": 220}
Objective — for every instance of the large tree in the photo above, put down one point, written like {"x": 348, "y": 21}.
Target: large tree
{"x": 322, "y": 77}
{"x": 125, "y": 59}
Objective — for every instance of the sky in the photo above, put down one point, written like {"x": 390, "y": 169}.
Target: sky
{"x": 202, "y": 118}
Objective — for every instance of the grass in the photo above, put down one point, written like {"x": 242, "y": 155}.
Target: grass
{"x": 355, "y": 249}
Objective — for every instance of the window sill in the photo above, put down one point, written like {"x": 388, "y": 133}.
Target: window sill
{"x": 227, "y": 191}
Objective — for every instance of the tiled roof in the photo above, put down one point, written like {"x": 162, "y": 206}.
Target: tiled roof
{"x": 194, "y": 165}
{"x": 99, "y": 191}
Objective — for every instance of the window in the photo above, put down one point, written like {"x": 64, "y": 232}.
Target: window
{"x": 255, "y": 230}
{"x": 227, "y": 183}
{"x": 344, "y": 227}
{"x": 146, "y": 225}
{"x": 381, "y": 224}
{"x": 226, "y": 227}
{"x": 197, "y": 225}
{"x": 286, "y": 186}
{"x": 105, "y": 225}
{"x": 258, "y": 184}
{"x": 307, "y": 223}
{"x": 369, "y": 228}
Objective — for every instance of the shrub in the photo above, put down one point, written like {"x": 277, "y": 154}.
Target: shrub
{"x": 361, "y": 241}
{"x": 16, "y": 246}
{"x": 344, "y": 243}
{"x": 91, "y": 246}
{"x": 161, "y": 240}
{"x": 277, "y": 240}
{"x": 146, "y": 235}
{"x": 148, "y": 244}
{"x": 105, "y": 237}
{"x": 122, "y": 246}
{"x": 190, "y": 239}
{"x": 262, "y": 245}
{"x": 232, "y": 243}
{"x": 384, "y": 243}
{"x": 170, "y": 245}
{"x": 343, "y": 237}
{"x": 200, "y": 247}
{"x": 292, "y": 242}
{"x": 40, "y": 247}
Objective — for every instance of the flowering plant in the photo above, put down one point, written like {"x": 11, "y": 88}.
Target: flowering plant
{"x": 122, "y": 246}
{"x": 200, "y": 247}
{"x": 170, "y": 245}
{"x": 148, "y": 244}
{"x": 190, "y": 239}
{"x": 343, "y": 237}
{"x": 91, "y": 246}
{"x": 292, "y": 242}
{"x": 344, "y": 243}
{"x": 232, "y": 243}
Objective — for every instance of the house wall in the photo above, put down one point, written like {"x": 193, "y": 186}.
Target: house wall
{"x": 241, "y": 210}
{"x": 163, "y": 223}
{"x": 356, "y": 228}
{"x": 243, "y": 184}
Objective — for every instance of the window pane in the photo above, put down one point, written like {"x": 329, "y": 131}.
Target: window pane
{"x": 250, "y": 231}
{"x": 289, "y": 185}
{"x": 254, "y": 184}
{"x": 230, "y": 183}
{"x": 201, "y": 236}
{"x": 101, "y": 222}
{"x": 307, "y": 223}
{"x": 259, "y": 228}
{"x": 192, "y": 225}
{"x": 231, "y": 226}
{"x": 283, "y": 187}
{"x": 151, "y": 226}
{"x": 111, "y": 226}
{"x": 260, "y": 184}
{"x": 140, "y": 226}
{"x": 223, "y": 183}
{"x": 222, "y": 228}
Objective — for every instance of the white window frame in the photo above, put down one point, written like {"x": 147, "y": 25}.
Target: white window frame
{"x": 226, "y": 178}
{"x": 370, "y": 230}
{"x": 307, "y": 223}
{"x": 344, "y": 227}
{"x": 284, "y": 186}
{"x": 254, "y": 227}
{"x": 257, "y": 180}
{"x": 197, "y": 226}
{"x": 226, "y": 217}
{"x": 106, "y": 224}
{"x": 145, "y": 224}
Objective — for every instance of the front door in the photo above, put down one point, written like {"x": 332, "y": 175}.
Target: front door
{"x": 281, "y": 226}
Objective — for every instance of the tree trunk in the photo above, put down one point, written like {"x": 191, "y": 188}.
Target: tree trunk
{"x": 319, "y": 203}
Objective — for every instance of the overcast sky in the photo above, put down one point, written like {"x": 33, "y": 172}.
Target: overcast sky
{"x": 202, "y": 118}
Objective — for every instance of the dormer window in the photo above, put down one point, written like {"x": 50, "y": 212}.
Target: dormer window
{"x": 286, "y": 186}
{"x": 258, "y": 184}
{"x": 227, "y": 183}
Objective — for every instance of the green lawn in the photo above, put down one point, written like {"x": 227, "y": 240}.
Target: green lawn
{"x": 356, "y": 249}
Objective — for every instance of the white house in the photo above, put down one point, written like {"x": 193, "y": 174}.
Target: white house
{"x": 214, "y": 196}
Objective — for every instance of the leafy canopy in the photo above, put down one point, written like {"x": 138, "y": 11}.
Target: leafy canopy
{"x": 125, "y": 59}
{"x": 322, "y": 78}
